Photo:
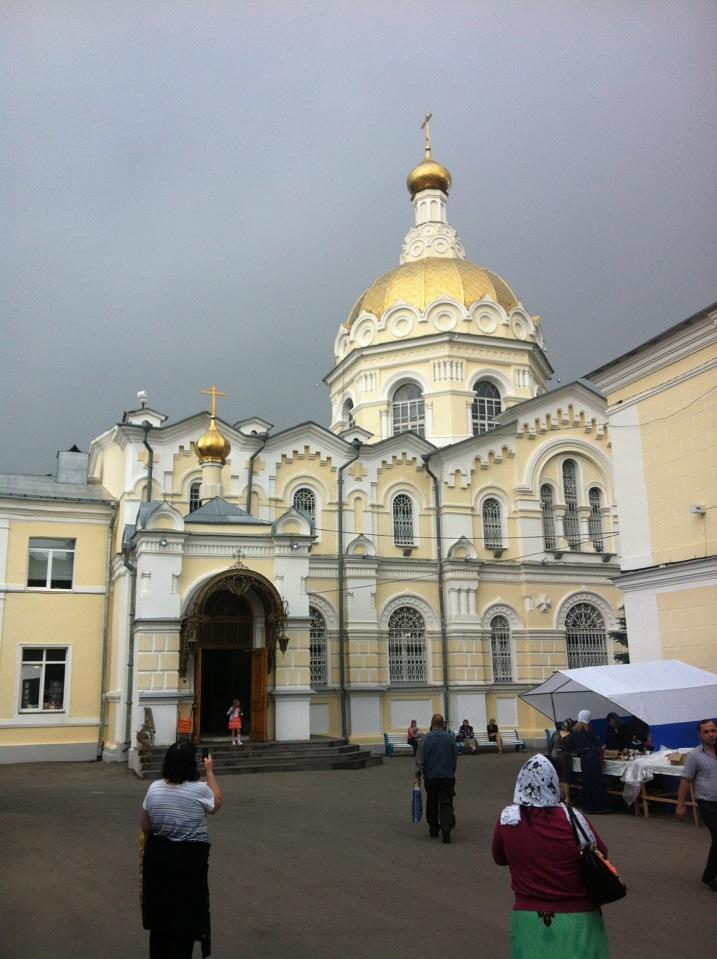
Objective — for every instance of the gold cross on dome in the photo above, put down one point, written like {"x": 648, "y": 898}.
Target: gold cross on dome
{"x": 214, "y": 393}
{"x": 425, "y": 126}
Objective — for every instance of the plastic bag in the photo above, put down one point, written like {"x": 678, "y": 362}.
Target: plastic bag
{"x": 416, "y": 804}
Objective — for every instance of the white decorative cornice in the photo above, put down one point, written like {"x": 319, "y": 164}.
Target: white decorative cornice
{"x": 688, "y": 573}
{"x": 431, "y": 239}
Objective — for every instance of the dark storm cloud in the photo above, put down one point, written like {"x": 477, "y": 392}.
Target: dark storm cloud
{"x": 197, "y": 192}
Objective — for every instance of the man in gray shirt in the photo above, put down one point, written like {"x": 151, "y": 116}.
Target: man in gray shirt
{"x": 436, "y": 760}
{"x": 701, "y": 769}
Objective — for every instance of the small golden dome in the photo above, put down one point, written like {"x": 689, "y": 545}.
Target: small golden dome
{"x": 423, "y": 281}
{"x": 213, "y": 447}
{"x": 428, "y": 175}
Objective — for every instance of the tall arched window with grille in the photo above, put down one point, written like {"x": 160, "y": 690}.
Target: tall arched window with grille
{"x": 585, "y": 636}
{"x": 195, "y": 496}
{"x": 595, "y": 520}
{"x": 348, "y": 413}
{"x": 406, "y": 647}
{"x": 403, "y": 521}
{"x": 500, "y": 650}
{"x": 486, "y": 406}
{"x": 318, "y": 649}
{"x": 408, "y": 409}
{"x": 492, "y": 524}
{"x": 547, "y": 509}
{"x": 305, "y": 502}
{"x": 571, "y": 523}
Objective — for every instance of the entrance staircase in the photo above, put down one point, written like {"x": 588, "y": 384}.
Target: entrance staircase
{"x": 272, "y": 757}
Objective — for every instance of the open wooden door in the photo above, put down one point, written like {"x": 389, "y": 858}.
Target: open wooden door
{"x": 259, "y": 662}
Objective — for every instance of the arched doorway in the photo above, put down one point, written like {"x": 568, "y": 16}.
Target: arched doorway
{"x": 228, "y": 641}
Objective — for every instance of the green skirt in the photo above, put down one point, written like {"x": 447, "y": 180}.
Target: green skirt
{"x": 570, "y": 934}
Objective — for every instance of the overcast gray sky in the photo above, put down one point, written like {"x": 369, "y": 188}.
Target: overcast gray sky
{"x": 197, "y": 192}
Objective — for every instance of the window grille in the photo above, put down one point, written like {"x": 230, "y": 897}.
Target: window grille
{"x": 492, "y": 526}
{"x": 548, "y": 510}
{"x": 195, "y": 496}
{"x": 42, "y": 683}
{"x": 571, "y": 523}
{"x": 585, "y": 636}
{"x": 500, "y": 650}
{"x": 403, "y": 520}
{"x": 318, "y": 652}
{"x": 408, "y": 410}
{"x": 305, "y": 502}
{"x": 406, "y": 647}
{"x": 50, "y": 563}
{"x": 595, "y": 520}
{"x": 486, "y": 406}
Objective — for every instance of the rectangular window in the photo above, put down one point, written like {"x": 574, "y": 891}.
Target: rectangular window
{"x": 42, "y": 680}
{"x": 50, "y": 563}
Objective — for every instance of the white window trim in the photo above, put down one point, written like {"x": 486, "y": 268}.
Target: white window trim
{"x": 44, "y": 714}
{"x": 48, "y": 578}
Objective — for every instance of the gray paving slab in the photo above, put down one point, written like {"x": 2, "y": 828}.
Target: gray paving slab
{"x": 320, "y": 865}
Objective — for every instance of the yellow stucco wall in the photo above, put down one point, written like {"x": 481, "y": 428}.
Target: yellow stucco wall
{"x": 687, "y": 620}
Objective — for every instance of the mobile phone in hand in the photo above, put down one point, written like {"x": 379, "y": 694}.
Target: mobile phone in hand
{"x": 205, "y": 752}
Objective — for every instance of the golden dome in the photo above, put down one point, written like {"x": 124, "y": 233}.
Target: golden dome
{"x": 213, "y": 447}
{"x": 428, "y": 175}
{"x": 423, "y": 281}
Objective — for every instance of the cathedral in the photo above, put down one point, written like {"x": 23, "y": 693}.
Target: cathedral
{"x": 446, "y": 544}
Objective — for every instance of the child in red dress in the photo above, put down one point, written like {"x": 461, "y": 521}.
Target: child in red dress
{"x": 234, "y": 715}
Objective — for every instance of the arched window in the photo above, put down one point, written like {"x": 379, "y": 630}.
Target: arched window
{"x": 571, "y": 524}
{"x": 492, "y": 525}
{"x": 406, "y": 647}
{"x": 195, "y": 496}
{"x": 348, "y": 413}
{"x": 408, "y": 410}
{"x": 486, "y": 406}
{"x": 403, "y": 520}
{"x": 305, "y": 502}
{"x": 547, "y": 508}
{"x": 500, "y": 650}
{"x": 595, "y": 520}
{"x": 318, "y": 652}
{"x": 585, "y": 637}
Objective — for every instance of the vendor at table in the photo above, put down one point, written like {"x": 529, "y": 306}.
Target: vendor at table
{"x": 586, "y": 747}
{"x": 619, "y": 734}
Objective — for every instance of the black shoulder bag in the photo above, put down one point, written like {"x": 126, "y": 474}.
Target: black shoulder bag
{"x": 601, "y": 880}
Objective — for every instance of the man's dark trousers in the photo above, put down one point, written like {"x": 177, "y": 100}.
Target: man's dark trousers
{"x": 439, "y": 804}
{"x": 708, "y": 811}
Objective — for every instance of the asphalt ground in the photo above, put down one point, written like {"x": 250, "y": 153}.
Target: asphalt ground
{"x": 320, "y": 865}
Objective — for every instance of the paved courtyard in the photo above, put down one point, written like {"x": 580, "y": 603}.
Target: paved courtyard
{"x": 318, "y": 865}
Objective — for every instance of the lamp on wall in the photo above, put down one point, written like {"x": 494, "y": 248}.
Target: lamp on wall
{"x": 163, "y": 543}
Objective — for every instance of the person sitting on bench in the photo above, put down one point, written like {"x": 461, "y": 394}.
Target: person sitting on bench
{"x": 467, "y": 737}
{"x": 494, "y": 734}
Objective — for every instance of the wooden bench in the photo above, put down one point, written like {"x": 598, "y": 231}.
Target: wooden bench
{"x": 395, "y": 744}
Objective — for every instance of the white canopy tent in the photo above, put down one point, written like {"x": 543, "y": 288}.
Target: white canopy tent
{"x": 666, "y": 691}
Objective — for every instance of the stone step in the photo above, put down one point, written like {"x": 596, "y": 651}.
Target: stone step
{"x": 275, "y": 757}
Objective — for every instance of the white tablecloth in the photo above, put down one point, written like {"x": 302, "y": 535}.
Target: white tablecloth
{"x": 635, "y": 772}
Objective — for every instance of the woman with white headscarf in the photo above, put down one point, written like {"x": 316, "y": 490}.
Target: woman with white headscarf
{"x": 587, "y": 749}
{"x": 552, "y": 917}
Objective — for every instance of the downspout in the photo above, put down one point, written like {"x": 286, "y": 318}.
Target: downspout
{"x": 105, "y": 636}
{"x": 130, "y": 652}
{"x": 441, "y": 598}
{"x": 146, "y": 426}
{"x": 342, "y": 615}
{"x": 250, "y": 481}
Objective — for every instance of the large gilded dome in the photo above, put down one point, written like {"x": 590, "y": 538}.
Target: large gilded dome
{"x": 423, "y": 281}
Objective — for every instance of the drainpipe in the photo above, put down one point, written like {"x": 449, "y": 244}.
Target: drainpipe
{"x": 105, "y": 635}
{"x": 130, "y": 653}
{"x": 250, "y": 482}
{"x": 147, "y": 426}
{"x": 342, "y": 615}
{"x": 441, "y": 598}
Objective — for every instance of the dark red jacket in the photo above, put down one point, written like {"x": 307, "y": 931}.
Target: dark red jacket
{"x": 544, "y": 861}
